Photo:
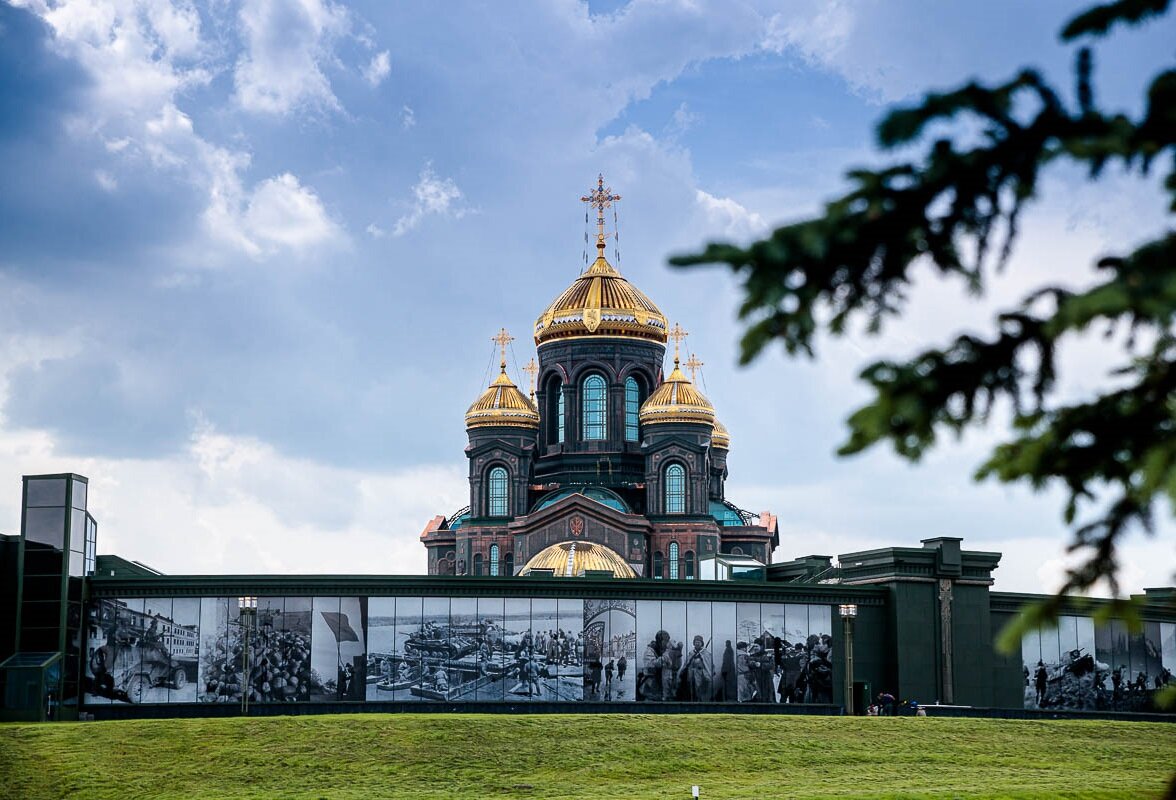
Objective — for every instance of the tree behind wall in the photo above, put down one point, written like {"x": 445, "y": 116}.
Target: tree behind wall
{"x": 957, "y": 208}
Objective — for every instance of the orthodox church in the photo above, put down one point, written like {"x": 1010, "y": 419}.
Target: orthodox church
{"x": 610, "y": 465}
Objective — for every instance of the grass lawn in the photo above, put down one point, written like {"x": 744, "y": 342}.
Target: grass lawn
{"x": 374, "y": 756}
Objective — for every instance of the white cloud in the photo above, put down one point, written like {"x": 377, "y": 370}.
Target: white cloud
{"x": 375, "y": 231}
{"x": 730, "y": 218}
{"x": 407, "y": 117}
{"x": 105, "y": 180}
{"x": 379, "y": 68}
{"x": 433, "y": 195}
{"x": 287, "y": 45}
{"x": 682, "y": 120}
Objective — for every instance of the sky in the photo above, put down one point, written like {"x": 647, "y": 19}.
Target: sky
{"x": 252, "y": 254}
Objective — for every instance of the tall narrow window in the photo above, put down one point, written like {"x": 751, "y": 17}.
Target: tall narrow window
{"x": 478, "y": 564}
{"x": 689, "y": 564}
{"x": 508, "y": 563}
{"x": 594, "y": 407}
{"x": 632, "y": 407}
{"x": 673, "y": 561}
{"x": 559, "y": 414}
{"x": 657, "y": 565}
{"x": 675, "y": 489}
{"x": 493, "y": 561}
{"x": 498, "y": 492}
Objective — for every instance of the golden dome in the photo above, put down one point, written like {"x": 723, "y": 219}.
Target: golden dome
{"x": 720, "y": 438}
{"x": 502, "y": 405}
{"x": 601, "y": 303}
{"x": 676, "y": 400}
{"x": 573, "y": 559}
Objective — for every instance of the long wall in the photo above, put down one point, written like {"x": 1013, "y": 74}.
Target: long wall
{"x": 462, "y": 646}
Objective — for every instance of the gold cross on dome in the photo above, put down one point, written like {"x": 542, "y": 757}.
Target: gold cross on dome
{"x": 532, "y": 369}
{"x": 693, "y": 365}
{"x": 600, "y": 198}
{"x": 677, "y": 334}
{"x": 502, "y": 339}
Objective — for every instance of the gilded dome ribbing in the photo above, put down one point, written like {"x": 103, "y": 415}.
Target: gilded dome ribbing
{"x": 502, "y": 405}
{"x": 677, "y": 400}
{"x": 573, "y": 559}
{"x": 720, "y": 438}
{"x": 601, "y": 303}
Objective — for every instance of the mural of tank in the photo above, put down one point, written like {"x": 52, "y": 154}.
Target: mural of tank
{"x": 128, "y": 666}
{"x": 435, "y": 641}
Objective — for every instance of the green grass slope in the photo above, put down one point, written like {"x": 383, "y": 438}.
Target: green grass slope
{"x": 591, "y": 756}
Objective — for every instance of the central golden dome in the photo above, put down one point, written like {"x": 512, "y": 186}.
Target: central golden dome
{"x": 573, "y": 559}
{"x": 677, "y": 400}
{"x": 601, "y": 303}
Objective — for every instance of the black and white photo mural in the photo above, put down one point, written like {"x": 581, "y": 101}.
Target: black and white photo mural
{"x": 463, "y": 649}
{"x": 1083, "y": 665}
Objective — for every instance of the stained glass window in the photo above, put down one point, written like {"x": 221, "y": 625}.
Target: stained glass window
{"x": 498, "y": 492}
{"x": 632, "y": 407}
{"x": 675, "y": 489}
{"x": 595, "y": 408}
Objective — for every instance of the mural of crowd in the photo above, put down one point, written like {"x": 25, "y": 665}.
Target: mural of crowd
{"x": 421, "y": 649}
{"x": 1081, "y": 665}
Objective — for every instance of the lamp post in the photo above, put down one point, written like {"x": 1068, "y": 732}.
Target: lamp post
{"x": 247, "y": 606}
{"x": 848, "y": 613}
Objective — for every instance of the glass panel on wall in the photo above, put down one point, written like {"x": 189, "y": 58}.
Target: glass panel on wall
{"x": 349, "y": 631}
{"x": 724, "y": 627}
{"x": 118, "y": 670}
{"x": 159, "y": 672}
{"x": 324, "y": 650}
{"x": 653, "y": 649}
{"x": 1137, "y": 650}
{"x": 1151, "y": 654}
{"x": 493, "y": 650}
{"x": 1168, "y": 648}
{"x": 292, "y": 631}
{"x": 574, "y": 671}
{"x": 1085, "y": 633}
{"x": 465, "y": 635}
{"x": 698, "y": 663}
{"x": 1051, "y": 649}
{"x": 673, "y": 622}
{"x": 517, "y": 624}
{"x": 45, "y": 526}
{"x": 1067, "y": 635}
{"x": 182, "y": 640}
{"x": 45, "y": 492}
{"x": 610, "y": 637}
{"x": 216, "y": 659}
{"x": 412, "y": 657}
{"x": 79, "y": 495}
{"x": 98, "y": 681}
{"x": 431, "y": 645}
{"x": 776, "y": 641}
{"x": 383, "y": 659}
{"x": 543, "y": 674}
{"x": 747, "y": 655}
{"x": 819, "y": 650}
{"x": 1120, "y": 658}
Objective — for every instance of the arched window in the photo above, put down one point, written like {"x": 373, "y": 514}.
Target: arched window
{"x": 594, "y": 406}
{"x": 560, "y": 435}
{"x": 497, "y": 493}
{"x": 657, "y": 565}
{"x": 493, "y": 561}
{"x": 689, "y": 564}
{"x": 675, "y": 489}
{"x": 632, "y": 407}
{"x": 673, "y": 561}
{"x": 509, "y": 564}
{"x": 478, "y": 564}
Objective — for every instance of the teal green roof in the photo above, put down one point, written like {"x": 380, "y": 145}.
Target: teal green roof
{"x": 597, "y": 493}
{"x": 726, "y": 516}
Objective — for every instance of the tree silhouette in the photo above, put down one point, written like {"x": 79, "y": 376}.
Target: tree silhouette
{"x": 957, "y": 207}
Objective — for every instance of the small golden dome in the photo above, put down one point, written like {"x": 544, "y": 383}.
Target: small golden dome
{"x": 573, "y": 559}
{"x": 601, "y": 303}
{"x": 720, "y": 438}
{"x": 502, "y": 405}
{"x": 676, "y": 400}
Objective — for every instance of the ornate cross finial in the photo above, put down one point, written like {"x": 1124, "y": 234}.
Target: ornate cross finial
{"x": 693, "y": 365}
{"x": 600, "y": 198}
{"x": 677, "y": 334}
{"x": 532, "y": 369}
{"x": 502, "y": 339}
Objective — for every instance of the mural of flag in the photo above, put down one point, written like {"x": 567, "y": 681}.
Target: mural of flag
{"x": 340, "y": 626}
